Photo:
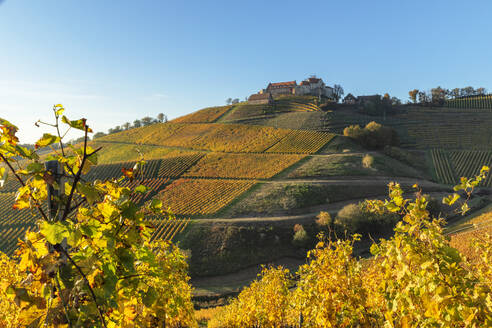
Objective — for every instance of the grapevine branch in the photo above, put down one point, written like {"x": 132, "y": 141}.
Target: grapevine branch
{"x": 23, "y": 184}
{"x": 76, "y": 180}
{"x": 60, "y": 249}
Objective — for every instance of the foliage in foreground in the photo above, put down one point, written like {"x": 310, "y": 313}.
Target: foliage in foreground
{"x": 416, "y": 279}
{"x": 91, "y": 263}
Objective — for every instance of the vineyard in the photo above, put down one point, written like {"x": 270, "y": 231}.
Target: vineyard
{"x": 167, "y": 229}
{"x": 153, "y": 185}
{"x": 302, "y": 142}
{"x": 13, "y": 223}
{"x": 451, "y": 165}
{"x": 207, "y": 115}
{"x": 201, "y": 196}
{"x": 175, "y": 166}
{"x": 479, "y": 102}
{"x": 241, "y": 166}
{"x": 443, "y": 169}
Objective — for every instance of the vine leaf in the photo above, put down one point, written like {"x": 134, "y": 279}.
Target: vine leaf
{"x": 46, "y": 140}
{"x": 54, "y": 232}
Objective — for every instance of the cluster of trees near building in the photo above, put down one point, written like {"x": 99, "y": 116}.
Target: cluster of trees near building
{"x": 438, "y": 96}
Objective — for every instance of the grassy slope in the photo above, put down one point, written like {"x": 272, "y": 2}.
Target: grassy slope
{"x": 350, "y": 164}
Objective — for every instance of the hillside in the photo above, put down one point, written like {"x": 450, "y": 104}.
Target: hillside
{"x": 240, "y": 177}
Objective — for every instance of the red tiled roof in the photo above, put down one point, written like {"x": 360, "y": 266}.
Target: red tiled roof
{"x": 284, "y": 84}
{"x": 305, "y": 83}
{"x": 314, "y": 80}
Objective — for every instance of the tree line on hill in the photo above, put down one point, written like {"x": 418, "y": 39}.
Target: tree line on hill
{"x": 438, "y": 96}
{"x": 145, "y": 121}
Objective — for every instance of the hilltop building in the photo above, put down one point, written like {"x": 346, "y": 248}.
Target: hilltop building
{"x": 282, "y": 88}
{"x": 315, "y": 87}
{"x": 261, "y": 98}
{"x": 312, "y": 86}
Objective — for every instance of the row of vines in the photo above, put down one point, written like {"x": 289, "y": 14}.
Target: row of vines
{"x": 449, "y": 166}
{"x": 481, "y": 102}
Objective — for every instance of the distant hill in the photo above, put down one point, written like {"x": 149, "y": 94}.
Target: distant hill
{"x": 247, "y": 174}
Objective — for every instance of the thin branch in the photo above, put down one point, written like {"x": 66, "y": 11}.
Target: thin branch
{"x": 23, "y": 184}
{"x": 59, "y": 135}
{"x": 49, "y": 124}
{"x": 66, "y": 132}
{"x": 60, "y": 249}
{"x": 77, "y": 178}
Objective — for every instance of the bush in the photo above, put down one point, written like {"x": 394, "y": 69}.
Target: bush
{"x": 324, "y": 219}
{"x": 401, "y": 155}
{"x": 367, "y": 161}
{"x": 356, "y": 218}
{"x": 373, "y": 135}
{"x": 301, "y": 237}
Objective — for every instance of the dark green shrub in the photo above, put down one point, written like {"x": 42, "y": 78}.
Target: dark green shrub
{"x": 355, "y": 218}
{"x": 373, "y": 135}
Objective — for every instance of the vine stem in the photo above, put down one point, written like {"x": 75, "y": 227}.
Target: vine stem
{"x": 76, "y": 180}
{"x": 59, "y": 248}
{"x": 23, "y": 184}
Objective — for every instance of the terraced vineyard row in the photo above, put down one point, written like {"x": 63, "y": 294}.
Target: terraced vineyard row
{"x": 9, "y": 215}
{"x": 108, "y": 171}
{"x": 168, "y": 229}
{"x": 480, "y": 102}
{"x": 450, "y": 166}
{"x": 10, "y": 235}
{"x": 171, "y": 166}
{"x": 443, "y": 168}
{"x": 201, "y": 196}
{"x": 302, "y": 141}
{"x": 175, "y": 166}
{"x": 469, "y": 163}
{"x": 241, "y": 166}
{"x": 154, "y": 185}
{"x": 297, "y": 106}
{"x": 207, "y": 115}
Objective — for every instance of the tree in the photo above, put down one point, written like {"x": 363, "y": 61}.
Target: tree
{"x": 455, "y": 93}
{"x": 146, "y": 121}
{"x": 137, "y": 123}
{"x": 228, "y": 101}
{"x": 412, "y": 94}
{"x": 395, "y": 101}
{"x": 423, "y": 97}
{"x": 468, "y": 91}
{"x": 98, "y": 135}
{"x": 338, "y": 92}
{"x": 235, "y": 101}
{"x": 161, "y": 117}
{"x": 90, "y": 262}
{"x": 438, "y": 96}
{"x": 126, "y": 125}
{"x": 481, "y": 91}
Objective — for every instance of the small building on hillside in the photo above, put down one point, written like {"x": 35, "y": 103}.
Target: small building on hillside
{"x": 261, "y": 98}
{"x": 281, "y": 88}
{"x": 350, "y": 99}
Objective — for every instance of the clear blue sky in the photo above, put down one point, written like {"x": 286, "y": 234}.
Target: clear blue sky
{"x": 115, "y": 61}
